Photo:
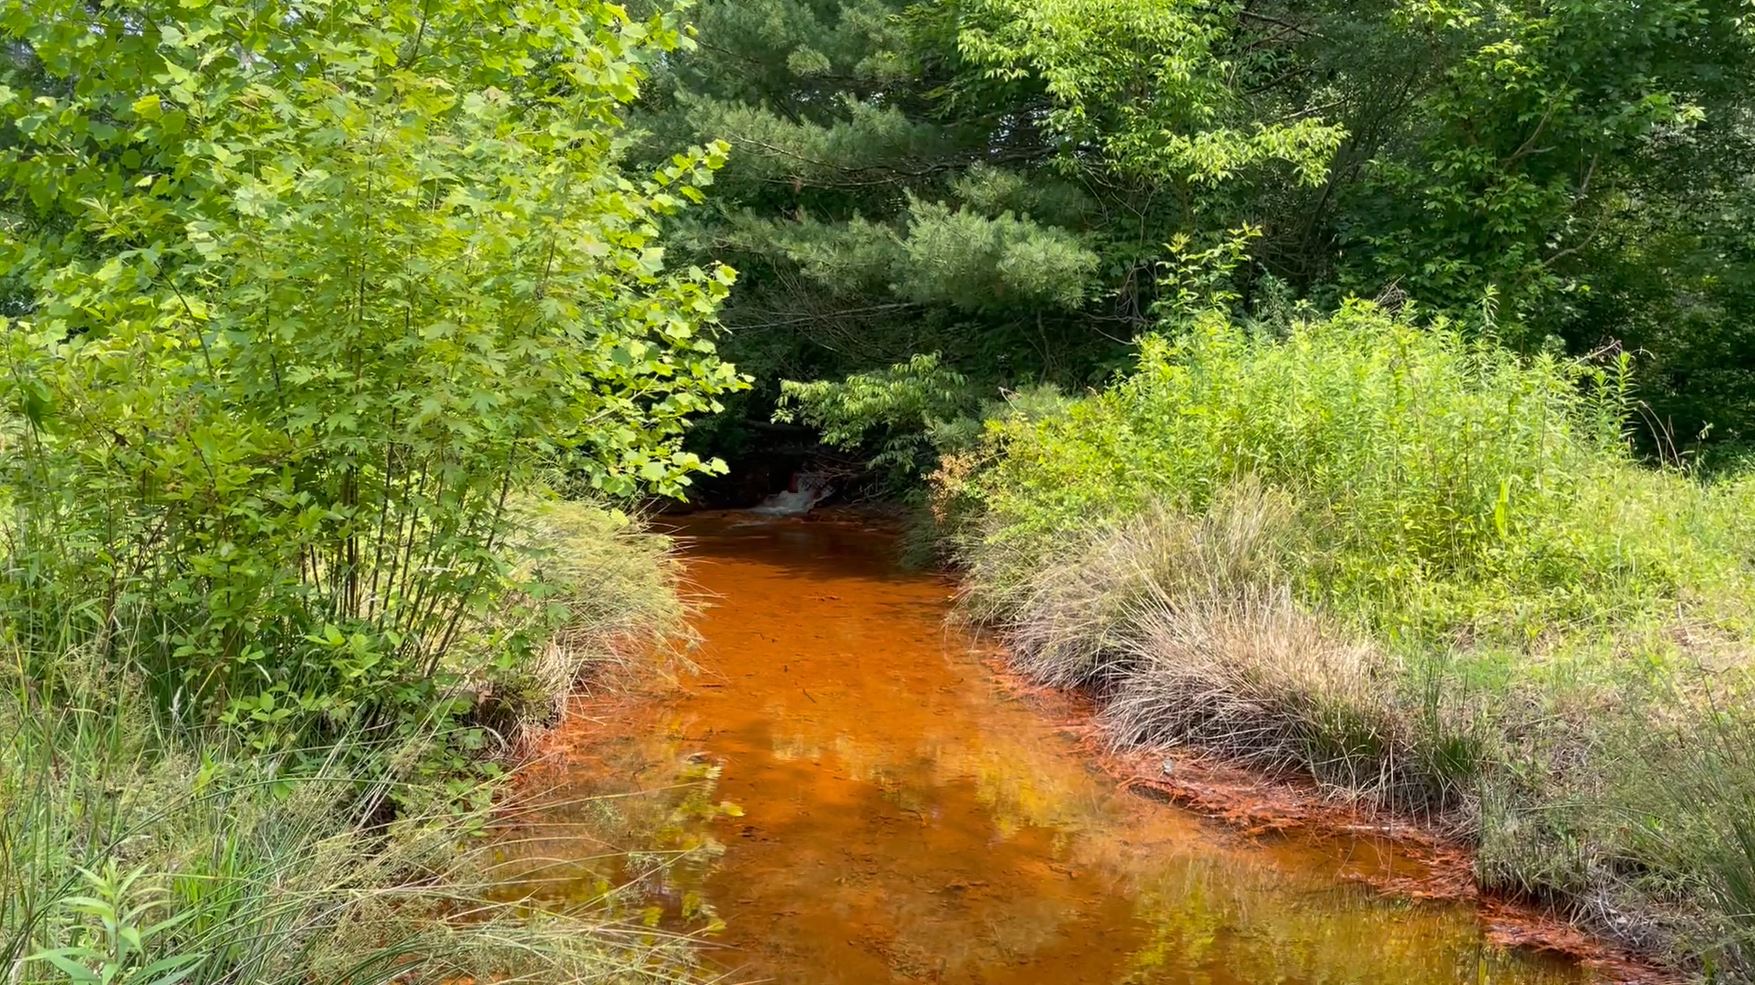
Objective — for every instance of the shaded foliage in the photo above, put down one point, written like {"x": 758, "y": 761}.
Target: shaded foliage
{"x": 1000, "y": 182}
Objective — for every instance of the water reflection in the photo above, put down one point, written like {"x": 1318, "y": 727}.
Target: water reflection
{"x": 905, "y": 819}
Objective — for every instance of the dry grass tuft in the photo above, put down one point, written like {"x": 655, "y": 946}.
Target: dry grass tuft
{"x": 1256, "y": 678}
{"x": 1077, "y": 619}
{"x": 1189, "y": 629}
{"x": 603, "y": 595}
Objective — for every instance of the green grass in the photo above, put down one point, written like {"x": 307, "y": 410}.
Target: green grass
{"x": 141, "y": 843}
{"x": 133, "y": 851}
{"x": 1418, "y": 568}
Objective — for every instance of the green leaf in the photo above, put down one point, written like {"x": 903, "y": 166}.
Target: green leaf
{"x": 64, "y": 960}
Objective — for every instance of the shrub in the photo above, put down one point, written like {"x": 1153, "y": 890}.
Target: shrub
{"x": 1415, "y": 567}
{"x": 1442, "y": 487}
{"x": 307, "y": 305}
{"x": 895, "y": 408}
{"x": 305, "y": 301}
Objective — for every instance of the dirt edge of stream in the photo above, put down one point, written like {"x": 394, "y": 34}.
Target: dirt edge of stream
{"x": 1256, "y": 804}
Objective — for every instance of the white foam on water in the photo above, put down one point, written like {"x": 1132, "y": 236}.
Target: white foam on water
{"x": 804, "y": 491}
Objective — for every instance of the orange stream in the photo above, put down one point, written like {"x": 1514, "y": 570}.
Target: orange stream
{"x": 907, "y": 818}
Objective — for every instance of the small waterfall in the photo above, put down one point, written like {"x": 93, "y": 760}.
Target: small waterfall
{"x": 806, "y": 490}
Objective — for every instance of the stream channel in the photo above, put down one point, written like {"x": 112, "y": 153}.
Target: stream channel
{"x": 905, "y": 815}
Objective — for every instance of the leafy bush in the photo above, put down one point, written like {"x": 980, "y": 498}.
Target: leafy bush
{"x": 1416, "y": 567}
{"x": 1442, "y": 485}
{"x": 896, "y": 408}
{"x": 307, "y": 299}
{"x": 309, "y": 305}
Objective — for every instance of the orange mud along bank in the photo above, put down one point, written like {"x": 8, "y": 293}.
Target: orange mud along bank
{"x": 904, "y": 813}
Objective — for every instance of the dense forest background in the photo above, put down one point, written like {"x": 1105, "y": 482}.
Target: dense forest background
{"x": 935, "y": 202}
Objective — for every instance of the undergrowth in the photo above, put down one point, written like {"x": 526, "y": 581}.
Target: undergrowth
{"x": 299, "y": 328}
{"x": 137, "y": 850}
{"x": 1426, "y": 572}
{"x": 144, "y": 843}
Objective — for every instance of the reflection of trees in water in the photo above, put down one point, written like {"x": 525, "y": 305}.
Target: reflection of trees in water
{"x": 1206, "y": 928}
{"x": 1184, "y": 902}
{"x": 631, "y": 824}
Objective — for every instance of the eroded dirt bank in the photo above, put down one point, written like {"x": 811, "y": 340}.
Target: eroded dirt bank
{"x": 911, "y": 813}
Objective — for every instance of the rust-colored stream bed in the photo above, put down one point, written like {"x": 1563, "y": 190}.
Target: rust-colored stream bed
{"x": 908, "y": 817}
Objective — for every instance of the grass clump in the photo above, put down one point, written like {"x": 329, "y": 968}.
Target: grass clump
{"x": 1415, "y": 566}
{"x": 135, "y": 850}
{"x": 602, "y": 589}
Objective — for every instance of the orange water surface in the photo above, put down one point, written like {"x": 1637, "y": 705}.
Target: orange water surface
{"x": 908, "y": 818}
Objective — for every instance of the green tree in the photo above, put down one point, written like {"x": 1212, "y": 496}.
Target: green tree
{"x": 1532, "y": 121}
{"x": 997, "y": 181}
{"x": 309, "y": 292}
{"x": 988, "y": 180}
{"x": 1574, "y": 171}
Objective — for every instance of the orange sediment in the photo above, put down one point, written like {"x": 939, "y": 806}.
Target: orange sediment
{"x": 907, "y": 811}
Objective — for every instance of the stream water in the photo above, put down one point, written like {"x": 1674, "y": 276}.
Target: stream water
{"x": 908, "y": 818}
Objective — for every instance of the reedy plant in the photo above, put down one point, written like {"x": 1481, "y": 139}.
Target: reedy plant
{"x": 136, "y": 850}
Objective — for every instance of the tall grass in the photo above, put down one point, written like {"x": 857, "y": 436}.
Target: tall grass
{"x": 1416, "y": 567}
{"x": 601, "y": 587}
{"x": 142, "y": 842}
{"x": 135, "y": 850}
